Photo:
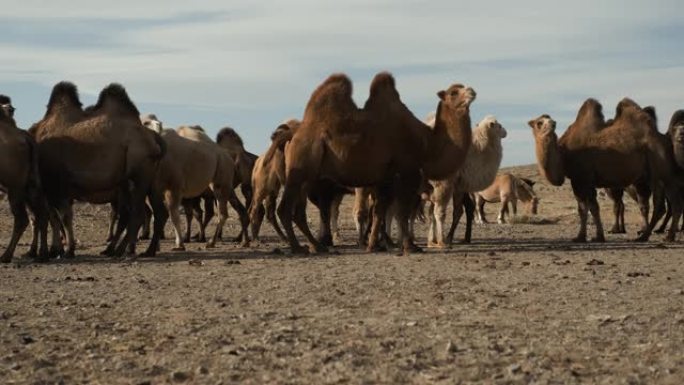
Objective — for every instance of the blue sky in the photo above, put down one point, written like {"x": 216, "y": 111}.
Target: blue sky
{"x": 252, "y": 64}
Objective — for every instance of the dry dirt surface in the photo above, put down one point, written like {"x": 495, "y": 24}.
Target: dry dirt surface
{"x": 521, "y": 305}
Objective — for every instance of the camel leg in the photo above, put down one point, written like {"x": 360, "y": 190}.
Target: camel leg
{"x": 335, "y": 217}
{"x": 643, "y": 200}
{"x": 209, "y": 203}
{"x": 21, "y": 221}
{"x": 113, "y": 216}
{"x": 469, "y": 207}
{"x": 360, "y": 214}
{"x": 379, "y": 212}
{"x": 501, "y": 219}
{"x": 222, "y": 214}
{"x": 596, "y": 214}
{"x": 456, "y": 216}
{"x": 173, "y": 202}
{"x": 324, "y": 228}
{"x": 291, "y": 195}
{"x": 137, "y": 214}
{"x": 145, "y": 233}
{"x": 408, "y": 186}
{"x": 270, "y": 207}
{"x": 161, "y": 215}
{"x": 480, "y": 204}
{"x": 242, "y": 215}
{"x": 247, "y": 193}
{"x": 668, "y": 215}
{"x": 56, "y": 246}
{"x": 32, "y": 253}
{"x": 616, "y": 194}
{"x": 67, "y": 215}
{"x": 432, "y": 234}
{"x": 300, "y": 220}
{"x": 256, "y": 218}
{"x": 188, "y": 206}
{"x": 674, "y": 197}
{"x": 514, "y": 206}
{"x": 38, "y": 206}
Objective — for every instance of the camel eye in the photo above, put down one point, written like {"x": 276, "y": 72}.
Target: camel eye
{"x": 454, "y": 93}
{"x": 539, "y": 124}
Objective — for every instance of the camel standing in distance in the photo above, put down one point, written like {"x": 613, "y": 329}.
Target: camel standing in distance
{"x": 379, "y": 145}
{"x": 20, "y": 180}
{"x": 244, "y": 160}
{"x": 82, "y": 153}
{"x": 594, "y": 154}
{"x": 478, "y": 172}
{"x": 192, "y": 166}
{"x": 507, "y": 189}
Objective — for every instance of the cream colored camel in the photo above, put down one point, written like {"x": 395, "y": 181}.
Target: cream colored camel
{"x": 507, "y": 189}
{"x": 478, "y": 172}
{"x": 190, "y": 167}
{"x": 104, "y": 149}
{"x": 20, "y": 180}
{"x": 591, "y": 153}
{"x": 374, "y": 146}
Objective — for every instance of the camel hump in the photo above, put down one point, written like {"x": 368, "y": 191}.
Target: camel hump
{"x": 229, "y": 134}
{"x": 592, "y": 111}
{"x": 676, "y": 120}
{"x": 334, "y": 94}
{"x": 64, "y": 92}
{"x": 115, "y": 93}
{"x": 383, "y": 86}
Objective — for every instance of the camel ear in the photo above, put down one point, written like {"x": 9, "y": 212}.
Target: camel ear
{"x": 441, "y": 94}
{"x": 531, "y": 123}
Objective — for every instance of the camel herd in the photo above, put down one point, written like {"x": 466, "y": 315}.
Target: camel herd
{"x": 392, "y": 162}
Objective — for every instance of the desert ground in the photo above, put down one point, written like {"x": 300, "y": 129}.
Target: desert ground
{"x": 521, "y": 305}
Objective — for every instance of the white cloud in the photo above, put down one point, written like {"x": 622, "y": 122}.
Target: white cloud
{"x": 263, "y": 58}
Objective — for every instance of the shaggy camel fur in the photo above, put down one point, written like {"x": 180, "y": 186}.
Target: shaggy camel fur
{"x": 20, "y": 180}
{"x": 593, "y": 153}
{"x": 190, "y": 167}
{"x": 478, "y": 172}
{"x": 371, "y": 147}
{"x": 84, "y": 153}
{"x": 507, "y": 188}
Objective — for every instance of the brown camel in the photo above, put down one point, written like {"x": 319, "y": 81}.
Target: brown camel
{"x": 230, "y": 140}
{"x": 190, "y": 167}
{"x": 103, "y": 149}
{"x": 593, "y": 153}
{"x": 507, "y": 189}
{"x": 377, "y": 146}
{"x": 20, "y": 180}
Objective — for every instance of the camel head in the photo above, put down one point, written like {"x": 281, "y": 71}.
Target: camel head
{"x": 6, "y": 106}
{"x": 542, "y": 126}
{"x": 230, "y": 137}
{"x": 150, "y": 121}
{"x": 491, "y": 127}
{"x": 676, "y": 132}
{"x": 457, "y": 96}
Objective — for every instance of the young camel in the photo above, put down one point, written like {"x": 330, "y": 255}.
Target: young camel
{"x": 507, "y": 189}
{"x": 478, "y": 172}
{"x": 20, "y": 180}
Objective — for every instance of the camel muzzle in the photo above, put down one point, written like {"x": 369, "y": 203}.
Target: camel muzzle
{"x": 9, "y": 109}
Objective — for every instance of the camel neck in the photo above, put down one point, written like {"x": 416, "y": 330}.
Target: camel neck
{"x": 550, "y": 159}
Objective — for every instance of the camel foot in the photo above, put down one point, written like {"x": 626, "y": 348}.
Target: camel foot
{"x": 669, "y": 238}
{"x": 643, "y": 237}
{"x": 600, "y": 239}
{"x": 318, "y": 249}
{"x": 464, "y": 241}
{"x": 144, "y": 237}
{"x": 69, "y": 254}
{"x": 298, "y": 249}
{"x": 55, "y": 252}
{"x": 579, "y": 239}
{"x": 245, "y": 243}
{"x": 376, "y": 248}
{"x": 437, "y": 245}
{"x": 615, "y": 230}
{"x": 31, "y": 254}
{"x": 6, "y": 258}
{"x": 659, "y": 231}
{"x": 178, "y": 248}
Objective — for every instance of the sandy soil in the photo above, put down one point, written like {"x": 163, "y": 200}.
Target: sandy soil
{"x": 521, "y": 305}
